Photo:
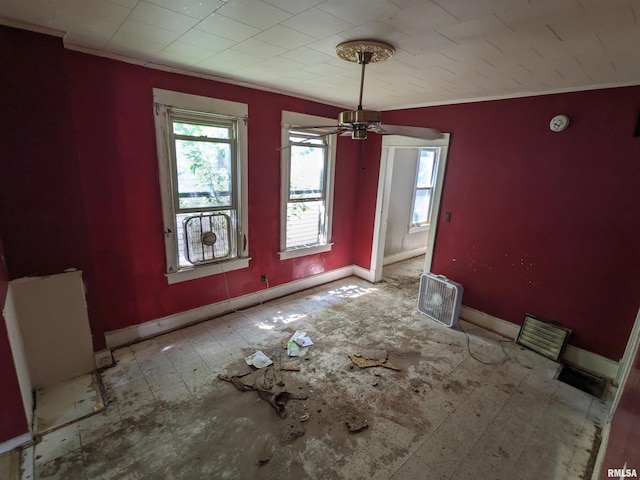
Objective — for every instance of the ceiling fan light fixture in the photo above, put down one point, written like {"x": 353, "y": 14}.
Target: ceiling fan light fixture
{"x": 359, "y": 134}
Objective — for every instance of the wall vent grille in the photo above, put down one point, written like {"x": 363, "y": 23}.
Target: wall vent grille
{"x": 543, "y": 337}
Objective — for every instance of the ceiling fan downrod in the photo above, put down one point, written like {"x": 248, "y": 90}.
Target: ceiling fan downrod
{"x": 363, "y": 59}
{"x": 362, "y": 52}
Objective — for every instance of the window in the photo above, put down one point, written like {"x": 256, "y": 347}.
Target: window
{"x": 202, "y": 157}
{"x": 307, "y": 186}
{"x": 426, "y": 171}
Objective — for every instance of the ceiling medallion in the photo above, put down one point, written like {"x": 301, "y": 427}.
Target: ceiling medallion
{"x": 354, "y": 50}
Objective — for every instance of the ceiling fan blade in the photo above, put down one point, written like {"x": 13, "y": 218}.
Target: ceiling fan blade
{"x": 338, "y": 130}
{"x": 407, "y": 131}
{"x": 297, "y": 128}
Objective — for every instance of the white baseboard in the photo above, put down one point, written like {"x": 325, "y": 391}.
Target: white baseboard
{"x": 125, "y": 336}
{"x": 15, "y": 442}
{"x": 363, "y": 273}
{"x": 494, "y": 324}
{"x": 399, "y": 257}
{"x": 583, "y": 359}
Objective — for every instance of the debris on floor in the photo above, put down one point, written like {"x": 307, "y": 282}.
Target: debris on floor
{"x": 293, "y": 349}
{"x": 290, "y": 367}
{"x": 267, "y": 381}
{"x": 301, "y": 338}
{"x": 354, "y": 422}
{"x": 258, "y": 360}
{"x": 346, "y": 429}
{"x": 372, "y": 358}
{"x": 291, "y": 431}
{"x": 297, "y": 340}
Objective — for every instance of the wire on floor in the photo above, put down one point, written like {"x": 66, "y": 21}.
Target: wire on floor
{"x": 502, "y": 361}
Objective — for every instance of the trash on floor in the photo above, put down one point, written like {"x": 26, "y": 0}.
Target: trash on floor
{"x": 301, "y": 338}
{"x": 372, "y": 358}
{"x": 267, "y": 381}
{"x": 293, "y": 349}
{"x": 290, "y": 367}
{"x": 258, "y": 360}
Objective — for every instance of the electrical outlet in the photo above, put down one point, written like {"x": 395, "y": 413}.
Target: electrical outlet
{"x": 263, "y": 278}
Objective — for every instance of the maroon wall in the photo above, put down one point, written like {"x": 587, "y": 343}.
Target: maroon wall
{"x": 42, "y": 214}
{"x": 13, "y": 421}
{"x": 369, "y": 166}
{"x": 112, "y": 107}
{"x": 624, "y": 436}
{"x": 41, "y": 207}
{"x": 541, "y": 222}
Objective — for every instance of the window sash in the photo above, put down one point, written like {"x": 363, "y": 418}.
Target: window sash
{"x": 200, "y": 119}
{"x": 315, "y": 187}
{"x": 314, "y": 194}
{"x": 423, "y": 188}
{"x": 305, "y": 216}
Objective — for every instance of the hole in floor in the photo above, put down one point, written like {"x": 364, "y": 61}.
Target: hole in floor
{"x": 583, "y": 381}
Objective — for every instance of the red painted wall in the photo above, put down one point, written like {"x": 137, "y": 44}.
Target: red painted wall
{"x": 542, "y": 222}
{"x": 13, "y": 421}
{"x": 624, "y": 436}
{"x": 112, "y": 110}
{"x": 367, "y": 193}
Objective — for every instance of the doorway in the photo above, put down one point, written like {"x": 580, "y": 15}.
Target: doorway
{"x": 388, "y": 223}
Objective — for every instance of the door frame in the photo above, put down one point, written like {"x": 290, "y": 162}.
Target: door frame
{"x": 389, "y": 144}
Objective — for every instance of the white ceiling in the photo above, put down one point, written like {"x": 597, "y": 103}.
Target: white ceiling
{"x": 446, "y": 50}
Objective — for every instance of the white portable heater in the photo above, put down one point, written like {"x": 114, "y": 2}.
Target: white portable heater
{"x": 440, "y": 298}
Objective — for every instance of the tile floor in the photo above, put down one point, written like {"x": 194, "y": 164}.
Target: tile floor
{"x": 443, "y": 415}
{"x": 67, "y": 402}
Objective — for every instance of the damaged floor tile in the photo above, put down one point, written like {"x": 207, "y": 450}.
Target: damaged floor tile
{"x": 383, "y": 392}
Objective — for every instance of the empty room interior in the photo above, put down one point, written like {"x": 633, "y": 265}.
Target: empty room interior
{"x": 454, "y": 294}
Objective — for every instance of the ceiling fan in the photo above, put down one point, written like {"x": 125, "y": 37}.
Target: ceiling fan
{"x": 359, "y": 122}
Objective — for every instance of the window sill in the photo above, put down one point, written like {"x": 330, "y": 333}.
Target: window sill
{"x": 207, "y": 270}
{"x": 418, "y": 229}
{"x": 303, "y": 251}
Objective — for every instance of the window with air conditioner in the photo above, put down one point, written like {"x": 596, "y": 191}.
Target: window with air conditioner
{"x": 202, "y": 158}
{"x": 307, "y": 172}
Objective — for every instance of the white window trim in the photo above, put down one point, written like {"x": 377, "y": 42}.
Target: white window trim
{"x": 304, "y": 120}
{"x": 419, "y": 228}
{"x": 164, "y": 99}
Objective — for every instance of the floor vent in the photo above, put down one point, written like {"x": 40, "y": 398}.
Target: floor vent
{"x": 583, "y": 381}
{"x": 546, "y": 338}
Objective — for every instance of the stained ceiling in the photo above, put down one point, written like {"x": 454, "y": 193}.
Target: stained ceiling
{"x": 446, "y": 50}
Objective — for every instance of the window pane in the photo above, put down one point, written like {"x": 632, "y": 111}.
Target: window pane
{"x": 425, "y": 169}
{"x": 203, "y": 174}
{"x": 421, "y": 207}
{"x": 307, "y": 172}
{"x": 304, "y": 223}
{"x": 196, "y": 130}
